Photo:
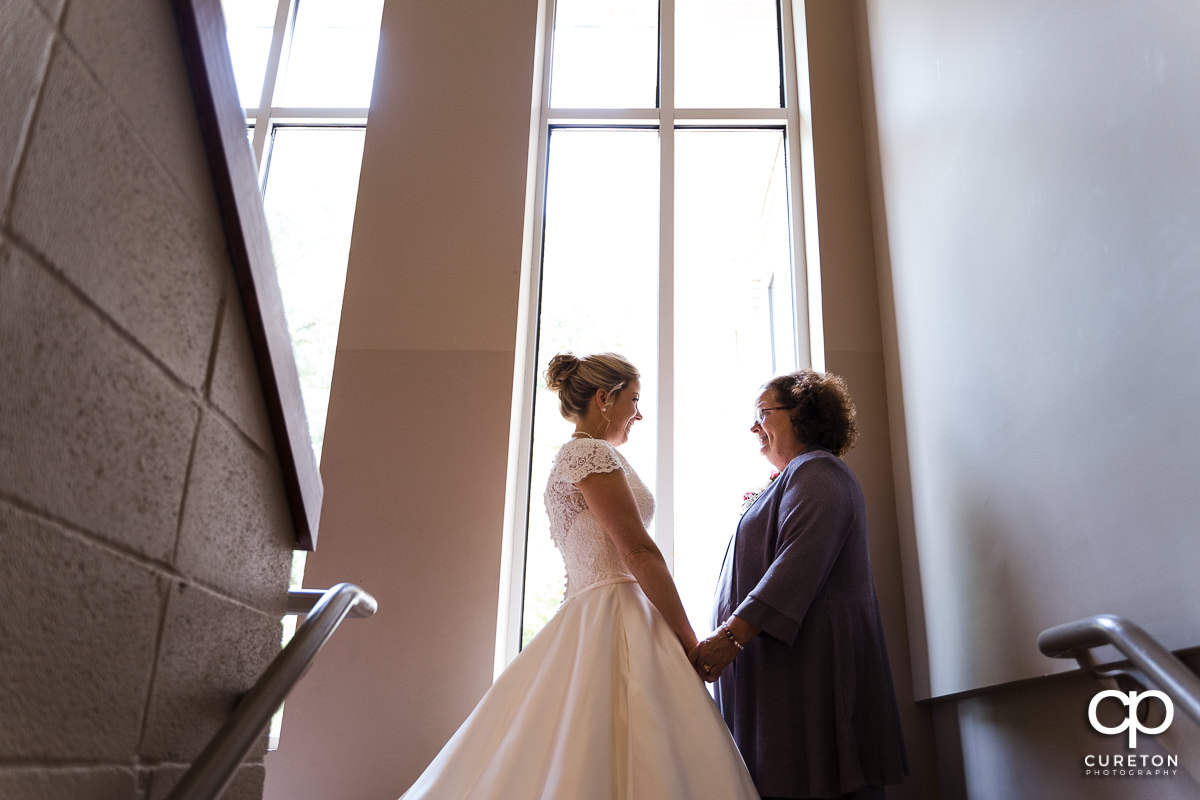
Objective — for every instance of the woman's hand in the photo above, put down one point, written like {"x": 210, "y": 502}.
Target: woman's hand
{"x": 712, "y": 655}
{"x": 718, "y": 651}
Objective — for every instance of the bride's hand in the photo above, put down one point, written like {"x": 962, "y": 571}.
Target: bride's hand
{"x": 694, "y": 658}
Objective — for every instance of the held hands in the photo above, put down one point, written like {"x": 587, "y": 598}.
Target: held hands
{"x": 712, "y": 655}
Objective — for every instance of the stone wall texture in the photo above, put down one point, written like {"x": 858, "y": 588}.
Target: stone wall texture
{"x": 145, "y": 539}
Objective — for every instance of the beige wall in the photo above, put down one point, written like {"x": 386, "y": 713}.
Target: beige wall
{"x": 144, "y": 535}
{"x": 416, "y": 445}
{"x": 1033, "y": 169}
{"x": 1038, "y": 170}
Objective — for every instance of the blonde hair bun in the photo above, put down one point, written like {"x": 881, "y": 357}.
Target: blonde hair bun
{"x": 575, "y": 379}
{"x": 562, "y": 366}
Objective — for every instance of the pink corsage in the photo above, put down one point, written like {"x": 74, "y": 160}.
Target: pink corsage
{"x": 749, "y": 497}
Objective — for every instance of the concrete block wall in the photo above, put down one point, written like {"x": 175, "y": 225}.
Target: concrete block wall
{"x": 145, "y": 540}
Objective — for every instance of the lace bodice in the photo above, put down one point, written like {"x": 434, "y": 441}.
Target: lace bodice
{"x": 586, "y": 549}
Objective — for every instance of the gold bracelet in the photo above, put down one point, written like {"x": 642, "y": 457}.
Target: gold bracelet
{"x": 729, "y": 635}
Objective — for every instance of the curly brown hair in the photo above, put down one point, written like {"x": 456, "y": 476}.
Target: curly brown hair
{"x": 821, "y": 408}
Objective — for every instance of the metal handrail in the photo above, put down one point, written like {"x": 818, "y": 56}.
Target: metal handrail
{"x": 302, "y": 601}
{"x": 1151, "y": 661}
{"x": 211, "y": 772}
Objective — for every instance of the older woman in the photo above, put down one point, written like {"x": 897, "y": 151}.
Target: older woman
{"x": 802, "y": 672}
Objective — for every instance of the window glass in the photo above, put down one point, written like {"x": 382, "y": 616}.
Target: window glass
{"x": 605, "y": 54}
{"x": 727, "y": 54}
{"x": 249, "y": 25}
{"x": 731, "y": 242}
{"x": 332, "y": 57}
{"x": 599, "y": 293}
{"x": 731, "y": 298}
{"x": 311, "y": 192}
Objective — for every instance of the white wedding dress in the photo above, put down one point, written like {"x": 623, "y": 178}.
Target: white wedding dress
{"x": 602, "y": 704}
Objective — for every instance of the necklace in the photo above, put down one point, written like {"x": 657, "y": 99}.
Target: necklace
{"x": 582, "y": 433}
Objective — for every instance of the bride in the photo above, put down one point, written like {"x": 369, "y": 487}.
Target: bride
{"x": 603, "y": 704}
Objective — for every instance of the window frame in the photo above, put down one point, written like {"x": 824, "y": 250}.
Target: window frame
{"x": 266, "y": 117}
{"x": 264, "y": 120}
{"x": 666, "y": 119}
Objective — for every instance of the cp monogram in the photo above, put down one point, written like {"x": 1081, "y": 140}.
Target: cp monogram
{"x": 1132, "y": 723}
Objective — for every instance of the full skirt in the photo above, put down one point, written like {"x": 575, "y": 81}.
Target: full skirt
{"x": 601, "y": 705}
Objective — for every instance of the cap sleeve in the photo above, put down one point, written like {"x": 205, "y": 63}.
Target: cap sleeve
{"x": 581, "y": 458}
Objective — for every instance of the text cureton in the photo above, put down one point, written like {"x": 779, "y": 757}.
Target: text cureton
{"x": 1135, "y": 760}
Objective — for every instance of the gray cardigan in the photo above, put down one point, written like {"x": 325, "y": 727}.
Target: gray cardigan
{"x": 810, "y": 701}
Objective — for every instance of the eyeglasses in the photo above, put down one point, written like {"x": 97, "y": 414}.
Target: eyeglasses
{"x": 760, "y": 415}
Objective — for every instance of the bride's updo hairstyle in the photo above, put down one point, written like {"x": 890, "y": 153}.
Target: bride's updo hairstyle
{"x": 576, "y": 379}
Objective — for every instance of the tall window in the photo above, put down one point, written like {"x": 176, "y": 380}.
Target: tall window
{"x": 304, "y": 72}
{"x": 669, "y": 207}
